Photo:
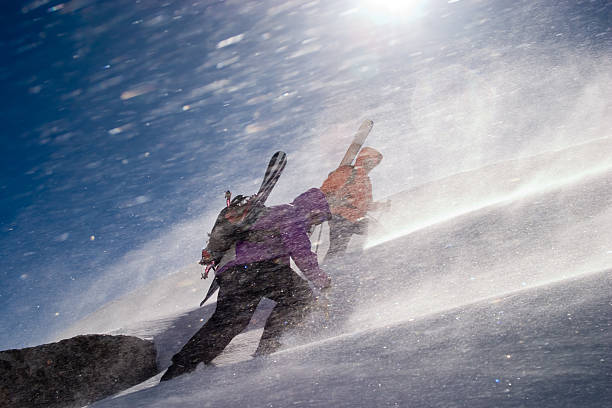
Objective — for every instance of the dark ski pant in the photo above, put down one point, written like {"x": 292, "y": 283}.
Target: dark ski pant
{"x": 240, "y": 291}
{"x": 340, "y": 232}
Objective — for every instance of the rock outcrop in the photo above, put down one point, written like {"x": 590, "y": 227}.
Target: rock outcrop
{"x": 75, "y": 371}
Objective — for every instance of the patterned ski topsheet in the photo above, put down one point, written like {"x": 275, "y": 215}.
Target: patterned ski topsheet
{"x": 273, "y": 172}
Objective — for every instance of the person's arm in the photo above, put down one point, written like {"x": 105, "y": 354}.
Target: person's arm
{"x": 295, "y": 239}
{"x": 379, "y": 205}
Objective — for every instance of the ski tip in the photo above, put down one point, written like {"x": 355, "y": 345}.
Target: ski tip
{"x": 278, "y": 157}
{"x": 368, "y": 123}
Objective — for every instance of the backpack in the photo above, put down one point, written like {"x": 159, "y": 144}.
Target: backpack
{"x": 348, "y": 192}
{"x": 338, "y": 185}
{"x": 233, "y": 224}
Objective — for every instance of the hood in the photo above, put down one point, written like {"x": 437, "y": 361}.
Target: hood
{"x": 312, "y": 205}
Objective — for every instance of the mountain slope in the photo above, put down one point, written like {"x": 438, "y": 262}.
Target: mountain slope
{"x": 523, "y": 239}
{"x": 548, "y": 346}
{"x": 502, "y": 182}
{"x": 504, "y": 305}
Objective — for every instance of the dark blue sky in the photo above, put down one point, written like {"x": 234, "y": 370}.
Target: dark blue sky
{"x": 123, "y": 118}
{"x": 69, "y": 169}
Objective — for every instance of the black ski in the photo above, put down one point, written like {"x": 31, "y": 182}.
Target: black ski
{"x": 277, "y": 164}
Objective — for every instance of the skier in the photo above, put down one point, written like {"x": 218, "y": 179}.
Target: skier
{"x": 348, "y": 190}
{"x": 262, "y": 269}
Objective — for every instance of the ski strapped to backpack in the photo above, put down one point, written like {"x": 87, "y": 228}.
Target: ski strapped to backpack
{"x": 358, "y": 140}
{"x": 235, "y": 220}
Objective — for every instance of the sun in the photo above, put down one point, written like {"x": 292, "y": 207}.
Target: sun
{"x": 403, "y": 8}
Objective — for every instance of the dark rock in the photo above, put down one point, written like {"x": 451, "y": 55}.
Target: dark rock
{"x": 75, "y": 371}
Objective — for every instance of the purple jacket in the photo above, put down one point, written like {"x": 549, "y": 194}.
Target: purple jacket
{"x": 282, "y": 233}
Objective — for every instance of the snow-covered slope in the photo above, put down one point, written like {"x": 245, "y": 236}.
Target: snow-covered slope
{"x": 548, "y": 346}
{"x": 504, "y": 305}
{"x": 505, "y": 181}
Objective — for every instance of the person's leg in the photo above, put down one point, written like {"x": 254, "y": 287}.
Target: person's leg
{"x": 361, "y": 226}
{"x": 340, "y": 232}
{"x": 294, "y": 300}
{"x": 235, "y": 305}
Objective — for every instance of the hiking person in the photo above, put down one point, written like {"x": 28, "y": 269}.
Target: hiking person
{"x": 262, "y": 269}
{"x": 348, "y": 190}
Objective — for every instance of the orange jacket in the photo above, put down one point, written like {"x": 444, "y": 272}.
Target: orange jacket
{"x": 348, "y": 191}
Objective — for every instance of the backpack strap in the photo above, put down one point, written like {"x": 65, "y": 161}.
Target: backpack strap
{"x": 351, "y": 179}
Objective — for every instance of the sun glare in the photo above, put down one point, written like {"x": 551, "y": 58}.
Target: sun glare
{"x": 395, "y": 8}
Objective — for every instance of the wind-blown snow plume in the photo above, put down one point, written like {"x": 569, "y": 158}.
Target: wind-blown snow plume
{"x": 533, "y": 119}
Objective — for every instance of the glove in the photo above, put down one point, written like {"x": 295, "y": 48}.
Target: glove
{"x": 323, "y": 282}
{"x": 206, "y": 258}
